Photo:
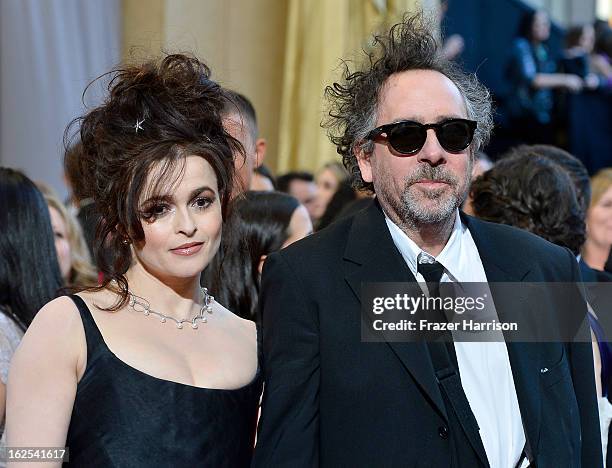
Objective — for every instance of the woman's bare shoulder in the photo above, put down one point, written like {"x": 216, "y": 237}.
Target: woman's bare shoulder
{"x": 242, "y": 327}
{"x": 55, "y": 333}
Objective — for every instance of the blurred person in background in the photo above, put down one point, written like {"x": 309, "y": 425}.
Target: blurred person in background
{"x": 596, "y": 250}
{"x": 328, "y": 180}
{"x": 240, "y": 121}
{"x": 262, "y": 180}
{"x": 601, "y": 58}
{"x": 301, "y": 185}
{"x": 453, "y": 45}
{"x": 518, "y": 191}
{"x": 80, "y": 201}
{"x": 260, "y": 223}
{"x": 29, "y": 271}
{"x": 579, "y": 43}
{"x": 482, "y": 163}
{"x": 121, "y": 372}
{"x": 533, "y": 76}
{"x": 341, "y": 199}
{"x": 72, "y": 251}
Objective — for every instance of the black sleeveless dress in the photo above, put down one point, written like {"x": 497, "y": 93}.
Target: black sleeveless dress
{"x": 123, "y": 417}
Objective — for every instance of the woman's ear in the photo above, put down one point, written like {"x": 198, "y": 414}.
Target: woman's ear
{"x": 262, "y": 259}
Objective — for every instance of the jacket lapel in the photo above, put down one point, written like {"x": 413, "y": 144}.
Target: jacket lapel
{"x": 501, "y": 266}
{"x": 371, "y": 257}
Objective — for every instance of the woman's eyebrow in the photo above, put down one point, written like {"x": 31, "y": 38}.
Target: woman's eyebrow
{"x": 196, "y": 192}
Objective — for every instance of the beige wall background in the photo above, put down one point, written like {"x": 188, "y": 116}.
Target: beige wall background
{"x": 279, "y": 53}
{"x": 242, "y": 41}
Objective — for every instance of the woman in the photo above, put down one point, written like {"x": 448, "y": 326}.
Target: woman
{"x": 146, "y": 369}
{"x": 29, "y": 272}
{"x": 260, "y": 223}
{"x": 599, "y": 221}
{"x": 72, "y": 252}
{"x": 328, "y": 180}
{"x": 533, "y": 76}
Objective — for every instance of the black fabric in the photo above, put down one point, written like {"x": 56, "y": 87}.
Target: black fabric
{"x": 125, "y": 418}
{"x": 466, "y": 446}
{"x": 333, "y": 400}
{"x": 432, "y": 272}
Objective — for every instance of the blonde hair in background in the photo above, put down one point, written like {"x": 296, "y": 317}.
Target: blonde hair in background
{"x": 82, "y": 271}
{"x": 600, "y": 183}
{"x": 337, "y": 169}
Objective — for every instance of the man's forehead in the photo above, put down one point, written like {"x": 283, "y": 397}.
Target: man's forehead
{"x": 420, "y": 95}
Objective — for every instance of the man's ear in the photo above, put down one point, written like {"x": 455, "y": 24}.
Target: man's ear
{"x": 364, "y": 161}
{"x": 260, "y": 148}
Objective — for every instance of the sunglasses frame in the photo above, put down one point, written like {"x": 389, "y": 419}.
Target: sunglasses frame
{"x": 377, "y": 133}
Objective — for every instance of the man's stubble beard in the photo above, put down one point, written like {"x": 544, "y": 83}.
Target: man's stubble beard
{"x": 416, "y": 207}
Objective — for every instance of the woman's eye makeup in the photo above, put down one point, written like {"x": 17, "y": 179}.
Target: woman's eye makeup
{"x": 203, "y": 202}
{"x": 156, "y": 209}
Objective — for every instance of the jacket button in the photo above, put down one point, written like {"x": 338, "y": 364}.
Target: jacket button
{"x": 443, "y": 432}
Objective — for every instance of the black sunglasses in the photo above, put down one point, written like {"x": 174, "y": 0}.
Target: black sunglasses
{"x": 408, "y": 137}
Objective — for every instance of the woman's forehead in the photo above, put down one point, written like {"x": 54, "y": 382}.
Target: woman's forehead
{"x": 169, "y": 177}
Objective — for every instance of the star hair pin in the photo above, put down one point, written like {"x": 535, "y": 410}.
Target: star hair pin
{"x": 138, "y": 125}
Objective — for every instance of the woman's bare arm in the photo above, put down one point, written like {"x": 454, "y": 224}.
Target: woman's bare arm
{"x": 43, "y": 378}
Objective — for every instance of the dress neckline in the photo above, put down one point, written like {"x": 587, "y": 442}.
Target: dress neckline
{"x": 137, "y": 371}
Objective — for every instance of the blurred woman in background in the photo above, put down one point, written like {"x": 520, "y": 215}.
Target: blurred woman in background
{"x": 72, "y": 251}
{"x": 328, "y": 180}
{"x": 260, "y": 223}
{"x": 29, "y": 271}
{"x": 533, "y": 76}
{"x": 596, "y": 249}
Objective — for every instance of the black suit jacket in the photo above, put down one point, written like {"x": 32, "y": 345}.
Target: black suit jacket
{"x": 332, "y": 400}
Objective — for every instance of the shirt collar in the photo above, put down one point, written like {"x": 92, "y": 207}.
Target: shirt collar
{"x": 412, "y": 253}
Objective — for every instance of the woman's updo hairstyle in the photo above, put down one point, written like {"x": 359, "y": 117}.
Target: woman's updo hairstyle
{"x": 155, "y": 115}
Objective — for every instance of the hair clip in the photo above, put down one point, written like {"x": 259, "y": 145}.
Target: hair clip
{"x": 138, "y": 125}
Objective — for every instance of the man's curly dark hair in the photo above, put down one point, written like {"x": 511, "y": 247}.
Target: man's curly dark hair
{"x": 409, "y": 45}
{"x": 531, "y": 192}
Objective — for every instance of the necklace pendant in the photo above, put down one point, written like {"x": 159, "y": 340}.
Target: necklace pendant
{"x": 146, "y": 312}
{"x": 179, "y": 325}
{"x": 163, "y": 320}
{"x": 194, "y": 325}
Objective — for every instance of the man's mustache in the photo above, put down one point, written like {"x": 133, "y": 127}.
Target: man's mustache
{"x": 427, "y": 172}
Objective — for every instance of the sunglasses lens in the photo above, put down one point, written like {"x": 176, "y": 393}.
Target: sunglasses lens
{"x": 455, "y": 136}
{"x": 407, "y": 138}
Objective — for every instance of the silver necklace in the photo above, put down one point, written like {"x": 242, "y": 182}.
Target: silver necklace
{"x": 141, "y": 305}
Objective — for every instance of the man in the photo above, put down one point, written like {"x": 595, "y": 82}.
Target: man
{"x": 240, "y": 121}
{"x": 331, "y": 399}
{"x": 302, "y": 186}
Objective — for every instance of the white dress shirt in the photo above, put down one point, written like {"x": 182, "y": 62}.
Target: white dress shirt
{"x": 484, "y": 367}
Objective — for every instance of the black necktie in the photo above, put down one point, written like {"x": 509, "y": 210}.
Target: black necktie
{"x": 432, "y": 273}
